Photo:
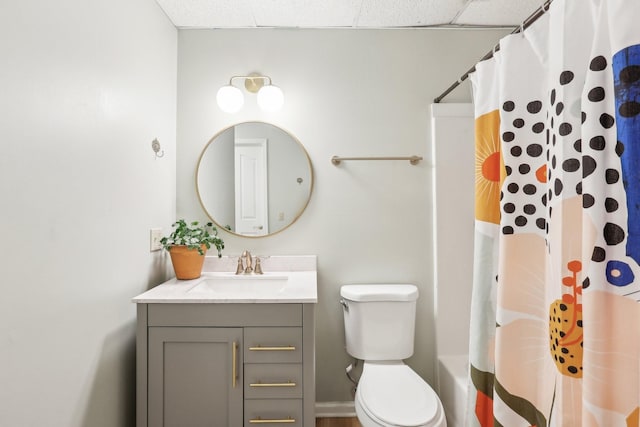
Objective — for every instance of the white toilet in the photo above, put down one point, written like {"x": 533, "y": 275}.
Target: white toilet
{"x": 379, "y": 323}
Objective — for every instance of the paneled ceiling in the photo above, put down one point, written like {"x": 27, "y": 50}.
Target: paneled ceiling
{"x": 346, "y": 13}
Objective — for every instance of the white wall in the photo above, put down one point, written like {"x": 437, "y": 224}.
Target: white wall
{"x": 454, "y": 151}
{"x": 349, "y": 93}
{"x": 86, "y": 86}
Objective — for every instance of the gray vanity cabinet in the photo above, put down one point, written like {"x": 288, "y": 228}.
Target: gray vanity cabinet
{"x": 194, "y": 377}
{"x": 225, "y": 365}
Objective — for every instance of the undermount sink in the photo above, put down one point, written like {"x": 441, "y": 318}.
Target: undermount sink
{"x": 241, "y": 285}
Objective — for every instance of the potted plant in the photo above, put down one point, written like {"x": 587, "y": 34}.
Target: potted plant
{"x": 187, "y": 245}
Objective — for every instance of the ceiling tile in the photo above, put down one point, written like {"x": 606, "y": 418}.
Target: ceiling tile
{"x": 497, "y": 12}
{"x": 208, "y": 13}
{"x": 345, "y": 13}
{"x": 407, "y": 13}
{"x": 306, "y": 13}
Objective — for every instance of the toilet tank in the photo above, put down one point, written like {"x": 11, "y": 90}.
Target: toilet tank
{"x": 379, "y": 320}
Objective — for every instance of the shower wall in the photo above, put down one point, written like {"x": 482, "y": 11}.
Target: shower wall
{"x": 452, "y": 127}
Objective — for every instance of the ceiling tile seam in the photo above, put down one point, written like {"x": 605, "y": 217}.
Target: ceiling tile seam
{"x": 350, "y": 27}
{"x": 356, "y": 21}
{"x": 460, "y": 12}
{"x": 253, "y": 15}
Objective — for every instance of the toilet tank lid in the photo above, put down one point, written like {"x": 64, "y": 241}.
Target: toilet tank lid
{"x": 379, "y": 292}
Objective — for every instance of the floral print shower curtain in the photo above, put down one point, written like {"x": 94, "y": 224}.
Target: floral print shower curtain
{"x": 555, "y": 333}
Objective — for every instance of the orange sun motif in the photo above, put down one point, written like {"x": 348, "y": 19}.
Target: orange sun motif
{"x": 490, "y": 171}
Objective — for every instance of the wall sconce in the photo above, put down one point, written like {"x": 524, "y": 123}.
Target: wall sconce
{"x": 270, "y": 98}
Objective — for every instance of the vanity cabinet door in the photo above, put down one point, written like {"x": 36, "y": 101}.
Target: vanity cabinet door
{"x": 195, "y": 377}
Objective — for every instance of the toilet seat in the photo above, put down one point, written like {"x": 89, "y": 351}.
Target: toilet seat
{"x": 392, "y": 394}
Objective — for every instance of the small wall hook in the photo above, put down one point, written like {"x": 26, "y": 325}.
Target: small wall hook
{"x": 155, "y": 146}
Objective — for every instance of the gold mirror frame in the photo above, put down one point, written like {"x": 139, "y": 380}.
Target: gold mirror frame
{"x": 308, "y": 164}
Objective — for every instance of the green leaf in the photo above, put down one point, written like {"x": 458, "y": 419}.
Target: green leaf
{"x": 193, "y": 236}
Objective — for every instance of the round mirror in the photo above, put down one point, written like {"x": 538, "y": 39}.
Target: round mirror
{"x": 254, "y": 179}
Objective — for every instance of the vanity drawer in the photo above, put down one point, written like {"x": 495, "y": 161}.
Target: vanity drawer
{"x": 283, "y": 412}
{"x": 273, "y": 345}
{"x": 224, "y": 315}
{"x": 273, "y": 381}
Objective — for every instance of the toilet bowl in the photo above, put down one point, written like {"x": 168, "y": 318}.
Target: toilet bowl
{"x": 379, "y": 329}
{"x": 391, "y": 394}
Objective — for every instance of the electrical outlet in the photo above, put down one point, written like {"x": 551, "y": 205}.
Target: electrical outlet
{"x": 154, "y": 241}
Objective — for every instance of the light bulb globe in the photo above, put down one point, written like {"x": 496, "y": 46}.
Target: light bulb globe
{"x": 230, "y": 99}
{"x": 270, "y": 98}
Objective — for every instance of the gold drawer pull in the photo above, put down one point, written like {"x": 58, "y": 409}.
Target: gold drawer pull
{"x": 274, "y": 421}
{"x": 234, "y": 368}
{"x": 276, "y": 348}
{"x": 287, "y": 384}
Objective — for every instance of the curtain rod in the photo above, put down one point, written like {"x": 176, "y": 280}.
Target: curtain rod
{"x": 527, "y": 22}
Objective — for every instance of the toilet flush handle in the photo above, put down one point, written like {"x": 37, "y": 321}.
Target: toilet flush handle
{"x": 344, "y": 304}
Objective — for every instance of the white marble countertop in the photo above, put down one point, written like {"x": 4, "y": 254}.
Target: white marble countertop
{"x": 287, "y": 279}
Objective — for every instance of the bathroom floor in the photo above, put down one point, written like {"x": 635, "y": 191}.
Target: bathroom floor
{"x": 337, "y": 422}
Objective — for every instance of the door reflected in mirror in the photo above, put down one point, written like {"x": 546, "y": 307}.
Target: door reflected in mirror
{"x": 254, "y": 179}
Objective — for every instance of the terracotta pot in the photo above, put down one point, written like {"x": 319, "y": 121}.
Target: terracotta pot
{"x": 187, "y": 263}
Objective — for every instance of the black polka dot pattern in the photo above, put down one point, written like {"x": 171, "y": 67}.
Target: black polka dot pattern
{"x": 629, "y": 109}
{"x": 588, "y": 166}
{"x": 560, "y": 145}
{"x": 605, "y": 196}
{"x": 599, "y": 63}
{"x": 508, "y": 136}
{"x": 565, "y": 129}
{"x": 597, "y": 143}
{"x": 596, "y": 94}
{"x": 613, "y": 234}
{"x": 571, "y": 165}
{"x": 598, "y": 255}
{"x": 523, "y": 141}
{"x": 612, "y": 176}
{"x": 538, "y": 127}
{"x": 606, "y": 120}
{"x": 630, "y": 74}
{"x": 565, "y": 166}
{"x": 534, "y": 107}
{"x": 610, "y": 204}
{"x": 508, "y": 106}
{"x": 534, "y": 150}
{"x": 566, "y": 77}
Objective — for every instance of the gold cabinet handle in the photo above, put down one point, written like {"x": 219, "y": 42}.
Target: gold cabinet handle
{"x": 273, "y": 348}
{"x": 234, "y": 364}
{"x": 287, "y": 384}
{"x": 272, "y": 421}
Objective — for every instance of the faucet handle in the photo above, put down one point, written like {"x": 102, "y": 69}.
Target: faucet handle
{"x": 258, "y": 268}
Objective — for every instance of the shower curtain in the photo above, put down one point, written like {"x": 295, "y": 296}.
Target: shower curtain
{"x": 555, "y": 329}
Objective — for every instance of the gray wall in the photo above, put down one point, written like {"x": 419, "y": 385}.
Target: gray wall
{"x": 86, "y": 86}
{"x": 349, "y": 93}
